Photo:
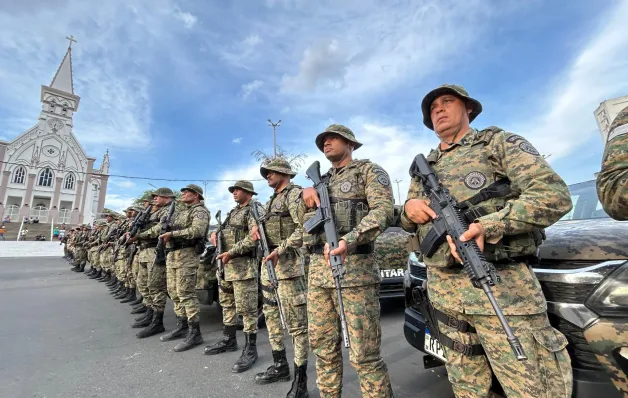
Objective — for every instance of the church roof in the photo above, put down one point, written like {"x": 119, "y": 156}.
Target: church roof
{"x": 63, "y": 79}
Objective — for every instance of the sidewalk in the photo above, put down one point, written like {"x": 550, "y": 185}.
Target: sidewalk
{"x": 30, "y": 249}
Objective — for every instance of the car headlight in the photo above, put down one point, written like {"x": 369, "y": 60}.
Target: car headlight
{"x": 412, "y": 259}
{"x": 610, "y": 298}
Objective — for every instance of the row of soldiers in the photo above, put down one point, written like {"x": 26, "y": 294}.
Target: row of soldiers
{"x": 507, "y": 227}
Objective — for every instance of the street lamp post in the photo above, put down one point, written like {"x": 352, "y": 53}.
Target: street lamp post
{"x": 398, "y": 192}
{"x": 274, "y": 126}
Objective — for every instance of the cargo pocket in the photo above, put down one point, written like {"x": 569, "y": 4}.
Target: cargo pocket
{"x": 298, "y": 312}
{"x": 553, "y": 362}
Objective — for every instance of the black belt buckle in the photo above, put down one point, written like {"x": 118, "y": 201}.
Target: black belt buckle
{"x": 464, "y": 349}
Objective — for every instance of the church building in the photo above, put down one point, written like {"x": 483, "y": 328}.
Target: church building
{"x": 45, "y": 172}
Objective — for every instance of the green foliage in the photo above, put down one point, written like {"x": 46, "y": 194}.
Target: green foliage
{"x": 295, "y": 161}
{"x": 139, "y": 199}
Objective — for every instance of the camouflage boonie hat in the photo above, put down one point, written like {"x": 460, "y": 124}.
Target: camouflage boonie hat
{"x": 193, "y": 188}
{"x": 279, "y": 165}
{"x": 165, "y": 192}
{"x": 111, "y": 214}
{"x": 619, "y": 125}
{"x": 242, "y": 184}
{"x": 339, "y": 129}
{"x": 137, "y": 208}
{"x": 148, "y": 197}
{"x": 458, "y": 91}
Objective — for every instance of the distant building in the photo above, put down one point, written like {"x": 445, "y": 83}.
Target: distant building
{"x": 606, "y": 112}
{"x": 45, "y": 172}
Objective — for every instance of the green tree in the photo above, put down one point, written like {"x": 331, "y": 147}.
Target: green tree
{"x": 295, "y": 161}
{"x": 107, "y": 210}
{"x": 138, "y": 199}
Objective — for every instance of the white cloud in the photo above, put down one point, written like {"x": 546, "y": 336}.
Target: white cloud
{"x": 248, "y": 88}
{"x": 117, "y": 202}
{"x": 243, "y": 52}
{"x": 598, "y": 73}
{"x": 125, "y": 184}
{"x": 237, "y": 140}
{"x": 188, "y": 19}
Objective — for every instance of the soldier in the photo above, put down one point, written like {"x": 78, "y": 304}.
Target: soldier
{"x": 509, "y": 193}
{"x": 125, "y": 293}
{"x": 157, "y": 288}
{"x": 238, "y": 286}
{"x": 129, "y": 260}
{"x": 140, "y": 272}
{"x": 104, "y": 258}
{"x": 190, "y": 224}
{"x": 612, "y": 181}
{"x": 285, "y": 238}
{"x": 362, "y": 201}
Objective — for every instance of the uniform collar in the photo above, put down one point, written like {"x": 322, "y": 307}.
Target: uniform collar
{"x": 468, "y": 138}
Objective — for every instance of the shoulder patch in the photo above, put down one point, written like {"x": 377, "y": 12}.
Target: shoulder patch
{"x": 475, "y": 180}
{"x": 514, "y": 138}
{"x": 345, "y": 187}
{"x": 525, "y": 146}
{"x": 383, "y": 180}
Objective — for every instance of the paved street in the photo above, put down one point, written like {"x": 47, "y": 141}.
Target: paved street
{"x": 62, "y": 335}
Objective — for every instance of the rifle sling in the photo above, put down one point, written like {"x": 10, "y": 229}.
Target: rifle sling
{"x": 469, "y": 350}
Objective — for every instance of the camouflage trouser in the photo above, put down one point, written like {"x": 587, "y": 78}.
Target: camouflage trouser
{"x": 81, "y": 256}
{"x": 157, "y": 287}
{"x": 605, "y": 338}
{"x": 93, "y": 258}
{"x": 293, "y": 296}
{"x": 182, "y": 291}
{"x": 135, "y": 267}
{"x": 142, "y": 284}
{"x": 546, "y": 373}
{"x": 362, "y": 309}
{"x": 120, "y": 270}
{"x": 239, "y": 297}
{"x": 106, "y": 259}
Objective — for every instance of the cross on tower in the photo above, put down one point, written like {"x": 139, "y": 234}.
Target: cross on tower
{"x": 71, "y": 38}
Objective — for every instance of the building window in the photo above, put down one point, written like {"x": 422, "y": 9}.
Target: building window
{"x": 19, "y": 175}
{"x": 45, "y": 178}
{"x": 69, "y": 182}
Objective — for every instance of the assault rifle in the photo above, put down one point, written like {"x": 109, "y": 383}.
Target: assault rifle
{"x": 451, "y": 222}
{"x": 160, "y": 250}
{"x": 220, "y": 271}
{"x": 270, "y": 268}
{"x": 139, "y": 222}
{"x": 324, "y": 218}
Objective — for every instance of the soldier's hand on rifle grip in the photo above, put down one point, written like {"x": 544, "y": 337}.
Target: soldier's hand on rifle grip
{"x": 341, "y": 250}
{"x": 212, "y": 238}
{"x": 166, "y": 237}
{"x": 310, "y": 197}
{"x": 273, "y": 256}
{"x": 476, "y": 231}
{"x": 419, "y": 211}
{"x": 225, "y": 257}
{"x": 255, "y": 233}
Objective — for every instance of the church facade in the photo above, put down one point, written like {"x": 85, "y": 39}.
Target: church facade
{"x": 45, "y": 173}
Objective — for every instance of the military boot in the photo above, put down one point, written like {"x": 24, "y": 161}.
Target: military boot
{"x": 278, "y": 371}
{"x": 299, "y": 384}
{"x": 82, "y": 269}
{"x": 116, "y": 288}
{"x": 96, "y": 275}
{"x": 140, "y": 309}
{"x": 193, "y": 338}
{"x": 106, "y": 277}
{"x": 130, "y": 296}
{"x": 91, "y": 271}
{"x": 137, "y": 301}
{"x": 228, "y": 342}
{"x": 145, "y": 320}
{"x": 155, "y": 327}
{"x": 76, "y": 267}
{"x": 122, "y": 294}
{"x": 249, "y": 354}
{"x": 113, "y": 283}
{"x": 179, "y": 331}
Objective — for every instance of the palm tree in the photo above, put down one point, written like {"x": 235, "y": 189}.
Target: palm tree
{"x": 295, "y": 161}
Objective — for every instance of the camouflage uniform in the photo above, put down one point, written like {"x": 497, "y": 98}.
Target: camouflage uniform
{"x": 362, "y": 202}
{"x": 285, "y": 235}
{"x": 190, "y": 224}
{"x": 239, "y": 288}
{"x": 538, "y": 198}
{"x": 612, "y": 181}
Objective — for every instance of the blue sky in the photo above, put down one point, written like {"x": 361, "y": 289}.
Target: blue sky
{"x": 183, "y": 89}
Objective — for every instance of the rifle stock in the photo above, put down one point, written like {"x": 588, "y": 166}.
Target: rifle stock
{"x": 160, "y": 249}
{"x": 324, "y": 218}
{"x": 450, "y": 221}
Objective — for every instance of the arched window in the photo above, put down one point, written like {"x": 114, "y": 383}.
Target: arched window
{"x": 69, "y": 181}
{"x": 19, "y": 175}
{"x": 45, "y": 178}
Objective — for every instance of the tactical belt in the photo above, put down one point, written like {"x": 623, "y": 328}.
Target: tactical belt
{"x": 148, "y": 244}
{"x": 469, "y": 350}
{"x": 268, "y": 289}
{"x": 268, "y": 301}
{"x": 226, "y": 289}
{"x": 367, "y": 248}
{"x": 461, "y": 326}
{"x": 182, "y": 245}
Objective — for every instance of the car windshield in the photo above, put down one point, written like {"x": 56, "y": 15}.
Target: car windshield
{"x": 585, "y": 202}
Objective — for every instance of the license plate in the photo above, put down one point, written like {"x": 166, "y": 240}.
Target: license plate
{"x": 433, "y": 347}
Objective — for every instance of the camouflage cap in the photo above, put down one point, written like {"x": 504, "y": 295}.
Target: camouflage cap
{"x": 458, "y": 91}
{"x": 110, "y": 214}
{"x": 619, "y": 125}
{"x": 278, "y": 165}
{"x": 148, "y": 197}
{"x": 242, "y": 184}
{"x": 193, "y": 188}
{"x": 338, "y": 129}
{"x": 136, "y": 208}
{"x": 165, "y": 192}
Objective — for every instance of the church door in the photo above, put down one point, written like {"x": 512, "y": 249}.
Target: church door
{"x": 40, "y": 212}
{"x": 13, "y": 212}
